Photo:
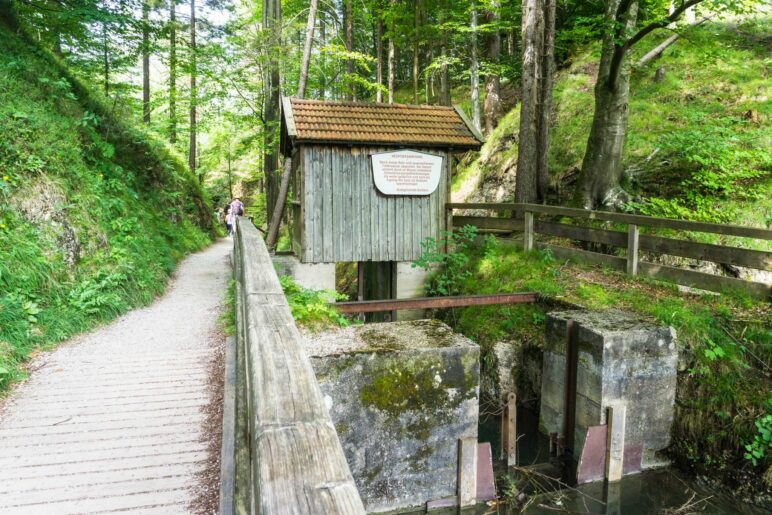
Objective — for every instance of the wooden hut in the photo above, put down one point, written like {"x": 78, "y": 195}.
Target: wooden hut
{"x": 370, "y": 181}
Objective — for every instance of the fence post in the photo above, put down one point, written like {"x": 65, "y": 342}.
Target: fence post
{"x": 528, "y": 231}
{"x": 632, "y": 249}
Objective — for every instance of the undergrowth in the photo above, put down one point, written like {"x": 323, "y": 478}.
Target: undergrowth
{"x": 94, "y": 212}
{"x": 311, "y": 309}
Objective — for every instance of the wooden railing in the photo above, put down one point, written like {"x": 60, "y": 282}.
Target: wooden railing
{"x": 286, "y": 456}
{"x": 633, "y": 241}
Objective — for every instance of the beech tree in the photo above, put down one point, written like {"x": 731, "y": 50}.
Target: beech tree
{"x": 601, "y": 173}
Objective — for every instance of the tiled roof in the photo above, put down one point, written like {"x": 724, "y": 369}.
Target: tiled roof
{"x": 386, "y": 124}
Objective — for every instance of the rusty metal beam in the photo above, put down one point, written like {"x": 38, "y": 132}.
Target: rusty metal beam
{"x": 372, "y": 306}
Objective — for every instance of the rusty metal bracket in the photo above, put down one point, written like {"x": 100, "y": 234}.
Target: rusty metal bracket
{"x": 372, "y": 306}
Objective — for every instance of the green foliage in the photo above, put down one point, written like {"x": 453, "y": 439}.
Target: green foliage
{"x": 94, "y": 213}
{"x": 447, "y": 259}
{"x": 311, "y": 308}
{"x": 762, "y": 441}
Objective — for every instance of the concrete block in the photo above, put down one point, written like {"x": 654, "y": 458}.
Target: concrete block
{"x": 621, "y": 360}
{"x": 401, "y": 396}
{"x": 410, "y": 284}
{"x": 314, "y": 276}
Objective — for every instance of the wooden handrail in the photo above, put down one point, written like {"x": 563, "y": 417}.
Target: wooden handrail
{"x": 625, "y": 218}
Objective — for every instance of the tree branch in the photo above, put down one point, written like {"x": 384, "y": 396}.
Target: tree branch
{"x": 620, "y": 51}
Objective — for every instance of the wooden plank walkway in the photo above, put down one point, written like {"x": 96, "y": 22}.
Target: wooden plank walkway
{"x": 112, "y": 421}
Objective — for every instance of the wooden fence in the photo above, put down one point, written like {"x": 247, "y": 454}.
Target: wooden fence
{"x": 633, "y": 241}
{"x": 286, "y": 457}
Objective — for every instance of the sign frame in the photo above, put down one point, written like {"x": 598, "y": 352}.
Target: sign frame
{"x": 390, "y": 188}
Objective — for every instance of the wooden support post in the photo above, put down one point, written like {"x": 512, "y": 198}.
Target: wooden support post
{"x": 528, "y": 231}
{"x": 509, "y": 431}
{"x": 632, "y": 249}
{"x": 615, "y": 441}
{"x": 569, "y": 416}
{"x": 467, "y": 471}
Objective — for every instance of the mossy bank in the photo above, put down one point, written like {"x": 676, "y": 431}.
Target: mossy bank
{"x": 94, "y": 212}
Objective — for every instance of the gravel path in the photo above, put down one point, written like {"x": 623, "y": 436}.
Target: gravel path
{"x": 116, "y": 420}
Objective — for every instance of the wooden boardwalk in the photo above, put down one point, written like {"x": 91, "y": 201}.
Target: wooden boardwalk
{"x": 113, "y": 421}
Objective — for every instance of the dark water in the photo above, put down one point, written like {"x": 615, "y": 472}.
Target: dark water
{"x": 656, "y": 491}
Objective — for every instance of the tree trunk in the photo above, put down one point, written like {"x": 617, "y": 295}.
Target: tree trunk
{"x": 602, "y": 165}
{"x": 172, "y": 72}
{"x": 392, "y": 57}
{"x": 348, "y": 27}
{"x": 193, "y": 92}
{"x": 526, "y": 180}
{"x": 492, "y": 104}
{"x": 444, "y": 72}
{"x": 271, "y": 23}
{"x": 307, "y": 49}
{"x": 474, "y": 72}
{"x": 379, "y": 52}
{"x": 145, "y": 62}
{"x": 545, "y": 98}
{"x": 106, "y": 59}
{"x": 323, "y": 40}
{"x": 275, "y": 222}
{"x": 416, "y": 49}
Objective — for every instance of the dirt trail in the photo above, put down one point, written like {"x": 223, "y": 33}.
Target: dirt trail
{"x": 116, "y": 420}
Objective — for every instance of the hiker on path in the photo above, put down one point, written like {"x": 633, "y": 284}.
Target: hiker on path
{"x": 236, "y": 209}
{"x": 227, "y": 217}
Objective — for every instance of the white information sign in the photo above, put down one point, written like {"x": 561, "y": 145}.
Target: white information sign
{"x": 406, "y": 172}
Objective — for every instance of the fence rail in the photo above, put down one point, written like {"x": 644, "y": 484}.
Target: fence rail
{"x": 633, "y": 241}
{"x": 286, "y": 457}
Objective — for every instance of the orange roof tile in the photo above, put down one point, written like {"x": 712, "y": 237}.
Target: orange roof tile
{"x": 318, "y": 121}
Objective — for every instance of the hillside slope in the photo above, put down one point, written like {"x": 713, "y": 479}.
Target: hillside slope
{"x": 698, "y": 140}
{"x": 94, "y": 213}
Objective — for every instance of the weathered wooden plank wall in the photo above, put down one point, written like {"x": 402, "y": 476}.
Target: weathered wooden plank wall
{"x": 346, "y": 219}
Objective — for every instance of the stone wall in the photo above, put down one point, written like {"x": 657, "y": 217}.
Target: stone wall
{"x": 401, "y": 395}
{"x": 620, "y": 358}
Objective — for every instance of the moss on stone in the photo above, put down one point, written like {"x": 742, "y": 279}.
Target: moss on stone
{"x": 421, "y": 386}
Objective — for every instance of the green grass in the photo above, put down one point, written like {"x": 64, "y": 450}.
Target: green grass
{"x": 94, "y": 212}
{"x": 725, "y": 344}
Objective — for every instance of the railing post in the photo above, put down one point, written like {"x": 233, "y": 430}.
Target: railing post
{"x": 632, "y": 249}
{"x": 528, "y": 231}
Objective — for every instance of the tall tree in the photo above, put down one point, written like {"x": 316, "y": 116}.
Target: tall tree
{"x": 601, "y": 172}
{"x": 172, "y": 71}
{"x": 106, "y": 58}
{"x": 474, "y": 72}
{"x": 348, "y": 27}
{"x": 271, "y": 82}
{"x": 275, "y": 222}
{"x": 492, "y": 103}
{"x": 538, "y": 27}
{"x": 444, "y": 69}
{"x": 392, "y": 55}
{"x": 145, "y": 62}
{"x": 307, "y": 49}
{"x": 193, "y": 92}
{"x": 416, "y": 47}
{"x": 379, "y": 51}
{"x": 547, "y": 81}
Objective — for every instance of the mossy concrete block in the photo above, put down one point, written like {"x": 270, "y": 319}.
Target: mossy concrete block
{"x": 621, "y": 358}
{"x": 401, "y": 395}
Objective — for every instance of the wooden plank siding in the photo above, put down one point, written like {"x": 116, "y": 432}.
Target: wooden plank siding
{"x": 347, "y": 219}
